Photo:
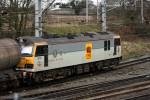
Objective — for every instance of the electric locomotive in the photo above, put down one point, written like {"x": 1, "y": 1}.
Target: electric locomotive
{"x": 54, "y": 58}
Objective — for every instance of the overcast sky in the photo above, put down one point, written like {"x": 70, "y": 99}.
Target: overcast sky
{"x": 64, "y": 1}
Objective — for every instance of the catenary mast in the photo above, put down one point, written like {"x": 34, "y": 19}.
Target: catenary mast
{"x": 38, "y": 16}
{"x": 104, "y": 21}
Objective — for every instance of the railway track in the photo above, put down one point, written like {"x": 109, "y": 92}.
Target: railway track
{"x": 122, "y": 65}
{"x": 131, "y": 91}
{"x": 131, "y": 62}
{"x": 107, "y": 90}
{"x": 142, "y": 97}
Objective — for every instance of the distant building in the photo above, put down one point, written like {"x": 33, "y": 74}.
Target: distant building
{"x": 70, "y": 11}
{"x": 62, "y": 11}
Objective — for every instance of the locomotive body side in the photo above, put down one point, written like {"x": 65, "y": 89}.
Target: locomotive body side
{"x": 70, "y": 54}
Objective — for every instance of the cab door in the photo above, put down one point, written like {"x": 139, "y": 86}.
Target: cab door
{"x": 116, "y": 45}
{"x": 41, "y": 56}
{"x": 107, "y": 47}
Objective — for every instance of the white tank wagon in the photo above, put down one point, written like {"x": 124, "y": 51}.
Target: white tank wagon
{"x": 9, "y": 53}
{"x": 65, "y": 56}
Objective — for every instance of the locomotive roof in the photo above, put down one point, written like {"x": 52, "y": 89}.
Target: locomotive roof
{"x": 83, "y": 37}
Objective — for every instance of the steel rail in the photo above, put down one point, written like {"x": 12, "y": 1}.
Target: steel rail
{"x": 105, "y": 90}
{"x": 118, "y": 92}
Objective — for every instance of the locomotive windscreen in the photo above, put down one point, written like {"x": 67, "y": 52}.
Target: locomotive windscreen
{"x": 27, "y": 50}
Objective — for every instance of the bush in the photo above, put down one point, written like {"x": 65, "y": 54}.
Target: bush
{"x": 142, "y": 29}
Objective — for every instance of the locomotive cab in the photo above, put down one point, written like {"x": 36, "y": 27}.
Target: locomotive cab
{"x": 41, "y": 56}
{"x": 33, "y": 57}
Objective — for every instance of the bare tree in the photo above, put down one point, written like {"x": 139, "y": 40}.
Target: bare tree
{"x": 18, "y": 12}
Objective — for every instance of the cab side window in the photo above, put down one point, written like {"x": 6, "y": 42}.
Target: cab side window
{"x": 41, "y": 50}
{"x": 106, "y": 45}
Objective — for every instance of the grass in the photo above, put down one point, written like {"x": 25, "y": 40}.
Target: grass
{"x": 68, "y": 28}
{"x": 135, "y": 48}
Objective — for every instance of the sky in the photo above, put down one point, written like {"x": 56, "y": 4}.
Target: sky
{"x": 64, "y": 1}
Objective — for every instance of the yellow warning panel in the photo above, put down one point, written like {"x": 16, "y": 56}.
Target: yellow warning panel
{"x": 88, "y": 52}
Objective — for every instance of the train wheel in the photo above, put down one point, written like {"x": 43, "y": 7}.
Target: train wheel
{"x": 116, "y": 62}
{"x": 106, "y": 65}
{"x": 92, "y": 67}
{"x": 79, "y": 69}
{"x": 99, "y": 66}
{"x": 73, "y": 71}
{"x": 37, "y": 77}
{"x": 86, "y": 68}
